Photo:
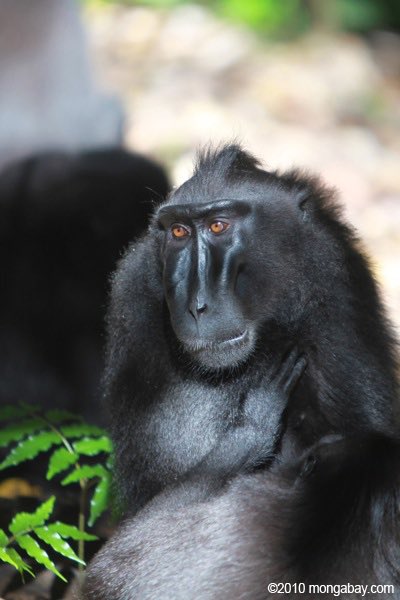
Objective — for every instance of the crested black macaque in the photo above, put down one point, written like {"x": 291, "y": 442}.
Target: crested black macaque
{"x": 239, "y": 474}
{"x": 65, "y": 219}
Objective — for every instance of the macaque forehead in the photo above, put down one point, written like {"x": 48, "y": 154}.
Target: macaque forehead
{"x": 200, "y": 210}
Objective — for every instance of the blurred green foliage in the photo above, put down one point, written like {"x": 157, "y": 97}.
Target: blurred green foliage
{"x": 288, "y": 17}
{"x": 292, "y": 17}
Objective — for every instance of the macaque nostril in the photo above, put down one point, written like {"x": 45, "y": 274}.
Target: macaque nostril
{"x": 197, "y": 309}
{"x": 201, "y": 309}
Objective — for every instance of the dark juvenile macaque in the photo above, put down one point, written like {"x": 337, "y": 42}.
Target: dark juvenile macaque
{"x": 240, "y": 468}
{"x": 64, "y": 222}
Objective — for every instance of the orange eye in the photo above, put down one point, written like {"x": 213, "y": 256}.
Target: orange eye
{"x": 179, "y": 231}
{"x": 218, "y": 227}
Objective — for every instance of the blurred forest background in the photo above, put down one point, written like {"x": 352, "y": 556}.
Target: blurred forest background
{"x": 301, "y": 83}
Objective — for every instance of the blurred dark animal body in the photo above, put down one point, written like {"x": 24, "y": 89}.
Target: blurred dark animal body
{"x": 64, "y": 221}
{"x": 227, "y": 490}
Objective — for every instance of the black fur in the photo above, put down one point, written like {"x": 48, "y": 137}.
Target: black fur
{"x": 64, "y": 221}
{"x": 326, "y": 508}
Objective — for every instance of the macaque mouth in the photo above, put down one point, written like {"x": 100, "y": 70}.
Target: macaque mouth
{"x": 234, "y": 342}
{"x": 242, "y": 338}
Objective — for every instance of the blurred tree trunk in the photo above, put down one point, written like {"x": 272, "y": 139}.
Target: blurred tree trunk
{"x": 48, "y": 98}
